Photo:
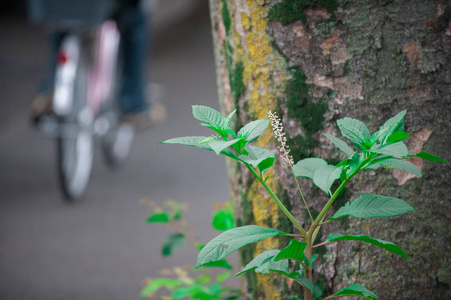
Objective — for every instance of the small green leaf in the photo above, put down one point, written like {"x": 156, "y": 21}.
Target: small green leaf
{"x": 259, "y": 157}
{"x": 307, "y": 167}
{"x": 223, "y": 220}
{"x": 340, "y": 144}
{"x": 295, "y": 250}
{"x": 155, "y": 284}
{"x": 221, "y": 277}
{"x": 355, "y": 131}
{"x": 400, "y": 164}
{"x": 258, "y": 261}
{"x": 173, "y": 243}
{"x": 392, "y": 125}
{"x": 312, "y": 259}
{"x": 373, "y": 206}
{"x": 218, "y": 264}
{"x": 229, "y": 117}
{"x": 398, "y": 136}
{"x": 431, "y": 157}
{"x": 220, "y": 145}
{"x": 253, "y": 130}
{"x": 325, "y": 176}
{"x": 203, "y": 279}
{"x": 333, "y": 237}
{"x": 356, "y": 290}
{"x": 209, "y": 115}
{"x": 158, "y": 218}
{"x": 232, "y": 240}
{"x": 397, "y": 150}
{"x": 280, "y": 267}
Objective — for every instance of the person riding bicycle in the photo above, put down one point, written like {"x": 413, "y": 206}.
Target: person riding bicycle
{"x": 135, "y": 109}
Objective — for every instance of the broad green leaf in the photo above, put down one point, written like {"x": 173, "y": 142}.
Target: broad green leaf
{"x": 355, "y": 131}
{"x": 325, "y": 176}
{"x": 333, "y": 237}
{"x": 258, "y": 261}
{"x": 393, "y": 124}
{"x": 397, "y": 150}
{"x": 398, "y": 136}
{"x": 402, "y": 165}
{"x": 307, "y": 167}
{"x": 223, "y": 220}
{"x": 158, "y": 218}
{"x": 259, "y": 157}
{"x": 253, "y": 130}
{"x": 220, "y": 145}
{"x": 209, "y": 115}
{"x": 232, "y": 240}
{"x": 203, "y": 279}
{"x": 373, "y": 206}
{"x": 218, "y": 264}
{"x": 155, "y": 284}
{"x": 295, "y": 250}
{"x": 194, "y": 141}
{"x": 431, "y": 157}
{"x": 340, "y": 144}
{"x": 302, "y": 280}
{"x": 229, "y": 117}
{"x": 356, "y": 290}
{"x": 173, "y": 243}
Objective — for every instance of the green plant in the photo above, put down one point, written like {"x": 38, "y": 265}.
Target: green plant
{"x": 179, "y": 280}
{"x": 385, "y": 148}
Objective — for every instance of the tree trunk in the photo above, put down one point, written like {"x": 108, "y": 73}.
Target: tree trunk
{"x": 316, "y": 63}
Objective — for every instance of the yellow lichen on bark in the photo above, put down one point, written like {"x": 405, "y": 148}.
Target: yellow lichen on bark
{"x": 263, "y": 88}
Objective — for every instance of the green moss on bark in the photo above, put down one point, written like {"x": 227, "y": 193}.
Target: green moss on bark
{"x": 226, "y": 17}
{"x": 289, "y": 11}
{"x": 308, "y": 111}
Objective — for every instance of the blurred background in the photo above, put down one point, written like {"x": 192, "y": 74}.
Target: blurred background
{"x": 101, "y": 248}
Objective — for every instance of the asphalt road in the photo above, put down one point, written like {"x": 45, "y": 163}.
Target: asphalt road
{"x": 101, "y": 248}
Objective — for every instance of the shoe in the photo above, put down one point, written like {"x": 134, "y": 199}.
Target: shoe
{"x": 146, "y": 119}
{"x": 41, "y": 107}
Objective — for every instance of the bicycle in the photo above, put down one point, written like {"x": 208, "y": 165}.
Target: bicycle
{"x": 85, "y": 87}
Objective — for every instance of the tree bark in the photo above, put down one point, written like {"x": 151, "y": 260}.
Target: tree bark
{"x": 314, "y": 62}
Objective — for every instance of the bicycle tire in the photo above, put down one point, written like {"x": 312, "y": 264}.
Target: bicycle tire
{"x": 117, "y": 141}
{"x": 75, "y": 144}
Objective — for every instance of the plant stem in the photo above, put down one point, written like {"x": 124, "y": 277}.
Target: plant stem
{"x": 300, "y": 191}
{"x": 308, "y": 270}
{"x": 279, "y": 203}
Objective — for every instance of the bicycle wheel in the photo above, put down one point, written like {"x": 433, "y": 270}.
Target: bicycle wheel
{"x": 75, "y": 144}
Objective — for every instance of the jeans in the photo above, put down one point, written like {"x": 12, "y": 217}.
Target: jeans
{"x": 132, "y": 24}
